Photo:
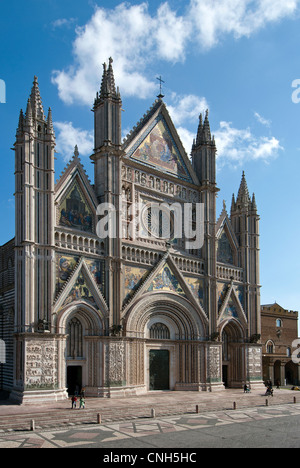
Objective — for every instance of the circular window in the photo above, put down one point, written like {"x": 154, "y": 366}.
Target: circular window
{"x": 158, "y": 221}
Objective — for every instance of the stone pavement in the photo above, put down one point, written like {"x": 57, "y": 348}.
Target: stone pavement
{"x": 258, "y": 427}
{"x": 59, "y": 414}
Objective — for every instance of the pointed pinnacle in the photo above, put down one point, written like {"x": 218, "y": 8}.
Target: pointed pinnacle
{"x": 21, "y": 122}
{"x": 28, "y": 119}
{"x": 76, "y": 152}
{"x": 254, "y": 206}
{"x": 36, "y": 101}
{"x": 243, "y": 195}
{"x": 233, "y": 203}
{"x": 50, "y": 129}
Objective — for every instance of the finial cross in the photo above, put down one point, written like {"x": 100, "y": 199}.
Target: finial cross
{"x": 160, "y": 96}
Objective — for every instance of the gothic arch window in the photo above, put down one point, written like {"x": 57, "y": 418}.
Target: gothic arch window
{"x": 270, "y": 347}
{"x": 75, "y": 339}
{"x": 159, "y": 331}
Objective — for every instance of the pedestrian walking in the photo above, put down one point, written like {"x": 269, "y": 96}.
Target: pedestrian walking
{"x": 74, "y": 400}
{"x": 82, "y": 403}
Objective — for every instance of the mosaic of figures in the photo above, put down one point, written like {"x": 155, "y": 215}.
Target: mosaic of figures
{"x": 165, "y": 280}
{"x": 231, "y": 309}
{"x": 158, "y": 149}
{"x": 80, "y": 291}
{"x": 133, "y": 278}
{"x": 75, "y": 211}
{"x": 197, "y": 288}
{"x": 65, "y": 265}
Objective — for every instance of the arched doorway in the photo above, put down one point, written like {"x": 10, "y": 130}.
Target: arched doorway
{"x": 171, "y": 330}
{"x": 233, "y": 361}
{"x": 82, "y": 364}
{"x": 291, "y": 373}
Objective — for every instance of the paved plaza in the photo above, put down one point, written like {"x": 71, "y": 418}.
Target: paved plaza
{"x": 180, "y": 420}
{"x": 248, "y": 428}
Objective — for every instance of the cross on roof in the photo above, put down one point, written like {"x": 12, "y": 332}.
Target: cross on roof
{"x": 160, "y": 96}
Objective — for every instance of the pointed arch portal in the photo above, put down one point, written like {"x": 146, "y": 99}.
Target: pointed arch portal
{"x": 233, "y": 366}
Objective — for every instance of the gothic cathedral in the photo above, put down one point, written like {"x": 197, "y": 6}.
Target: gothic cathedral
{"x": 126, "y": 309}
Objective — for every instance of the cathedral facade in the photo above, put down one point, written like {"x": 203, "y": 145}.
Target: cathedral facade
{"x": 97, "y": 292}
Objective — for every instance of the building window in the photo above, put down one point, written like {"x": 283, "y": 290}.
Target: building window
{"x": 278, "y": 323}
{"x": 159, "y": 331}
{"x": 270, "y": 348}
{"x": 289, "y": 352}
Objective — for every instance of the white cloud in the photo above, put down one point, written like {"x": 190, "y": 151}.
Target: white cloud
{"x": 135, "y": 38}
{"x": 63, "y": 22}
{"x": 237, "y": 146}
{"x": 215, "y": 19}
{"x": 186, "y": 138}
{"x": 67, "y": 136}
{"x": 185, "y": 108}
{"x": 262, "y": 120}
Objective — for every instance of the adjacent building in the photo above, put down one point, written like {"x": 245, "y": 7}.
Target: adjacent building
{"x": 279, "y": 340}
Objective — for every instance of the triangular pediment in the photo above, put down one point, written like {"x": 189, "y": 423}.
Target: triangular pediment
{"x": 76, "y": 203}
{"x": 81, "y": 287}
{"x": 155, "y": 143}
{"x": 227, "y": 245}
{"x": 230, "y": 306}
{"x": 166, "y": 278}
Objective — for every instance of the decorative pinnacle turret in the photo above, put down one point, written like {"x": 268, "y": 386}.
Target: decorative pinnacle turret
{"x": 28, "y": 118}
{"x": 243, "y": 197}
{"x": 204, "y": 133}
{"x": 108, "y": 86}
{"x": 36, "y": 101}
{"x": 50, "y": 129}
{"x": 76, "y": 152}
{"x": 21, "y": 123}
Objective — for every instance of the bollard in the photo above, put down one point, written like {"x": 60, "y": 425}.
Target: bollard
{"x": 197, "y": 409}
{"x": 32, "y": 425}
{"x": 234, "y": 405}
{"x": 295, "y": 400}
{"x": 99, "y": 419}
{"x": 152, "y": 413}
{"x": 267, "y": 402}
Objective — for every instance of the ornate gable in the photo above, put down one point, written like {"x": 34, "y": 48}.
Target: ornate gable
{"x": 166, "y": 278}
{"x": 82, "y": 287}
{"x": 155, "y": 143}
{"x": 227, "y": 245}
{"x": 230, "y": 306}
{"x": 75, "y": 199}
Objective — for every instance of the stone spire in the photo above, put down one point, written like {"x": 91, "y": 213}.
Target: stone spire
{"x": 254, "y": 205}
{"x": 36, "y": 101}
{"x": 76, "y": 152}
{"x": 21, "y": 123}
{"x": 243, "y": 197}
{"x": 108, "y": 86}
{"x": 28, "y": 118}
{"x": 50, "y": 129}
{"x": 204, "y": 134}
{"x": 107, "y": 111}
{"x": 233, "y": 205}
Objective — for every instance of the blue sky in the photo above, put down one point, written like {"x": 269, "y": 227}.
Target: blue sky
{"x": 239, "y": 58}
